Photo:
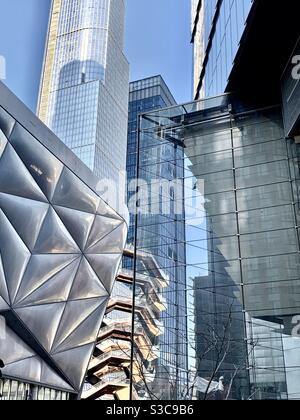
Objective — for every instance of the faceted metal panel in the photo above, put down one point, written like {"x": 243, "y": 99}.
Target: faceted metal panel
{"x": 60, "y": 249}
{"x": 42, "y": 165}
{"x": 3, "y": 305}
{"x": 106, "y": 272}
{"x": 3, "y": 142}
{"x": 6, "y": 122}
{"x": 18, "y": 209}
{"x": 78, "y": 223}
{"x": 15, "y": 178}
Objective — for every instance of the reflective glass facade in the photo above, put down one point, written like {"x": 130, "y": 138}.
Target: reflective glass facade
{"x": 217, "y": 27}
{"x": 241, "y": 238}
{"x": 144, "y": 95}
{"x": 160, "y": 302}
{"x": 84, "y": 87}
{"x": 19, "y": 391}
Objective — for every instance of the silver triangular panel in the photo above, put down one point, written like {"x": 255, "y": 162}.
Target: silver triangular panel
{"x": 18, "y": 210}
{"x": 42, "y": 268}
{"x": 3, "y": 143}
{"x": 12, "y": 348}
{"x": 73, "y": 193}
{"x": 106, "y": 211}
{"x": 27, "y": 370}
{"x": 106, "y": 267}
{"x": 74, "y": 363}
{"x": 3, "y": 287}
{"x": 102, "y": 226}
{"x": 6, "y": 122}
{"x": 55, "y": 290}
{"x": 42, "y": 321}
{"x": 75, "y": 313}
{"x": 3, "y": 307}
{"x": 78, "y": 223}
{"x": 113, "y": 243}
{"x": 86, "y": 284}
{"x": 15, "y": 178}
{"x": 44, "y": 167}
{"x": 87, "y": 331}
{"x": 15, "y": 256}
{"x": 51, "y": 379}
{"x": 54, "y": 237}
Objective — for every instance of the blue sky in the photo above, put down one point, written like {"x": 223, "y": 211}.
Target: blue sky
{"x": 157, "y": 42}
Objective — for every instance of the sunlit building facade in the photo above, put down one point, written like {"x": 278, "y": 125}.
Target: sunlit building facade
{"x": 163, "y": 242}
{"x": 84, "y": 84}
{"x": 61, "y": 247}
{"x": 242, "y": 248}
{"x": 232, "y": 53}
{"x": 217, "y": 29}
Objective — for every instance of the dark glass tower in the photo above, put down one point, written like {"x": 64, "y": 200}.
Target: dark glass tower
{"x": 233, "y": 52}
{"x": 217, "y": 29}
{"x": 160, "y": 237}
{"x": 144, "y": 95}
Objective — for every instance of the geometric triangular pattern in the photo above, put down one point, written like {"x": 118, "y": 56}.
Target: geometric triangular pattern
{"x": 3, "y": 287}
{"x": 54, "y": 237}
{"x": 87, "y": 284}
{"x": 40, "y": 270}
{"x": 99, "y": 230}
{"x": 106, "y": 272}
{"x": 111, "y": 243}
{"x": 43, "y": 166}
{"x": 3, "y": 305}
{"x": 106, "y": 211}
{"x": 3, "y": 142}
{"x": 34, "y": 369}
{"x": 78, "y": 223}
{"x": 72, "y": 193}
{"x": 74, "y": 314}
{"x": 13, "y": 349}
{"x": 77, "y": 358}
{"x": 15, "y": 179}
{"x": 18, "y": 209}
{"x": 7, "y": 123}
{"x": 86, "y": 331}
{"x": 15, "y": 256}
{"x": 42, "y": 321}
{"x": 60, "y": 249}
{"x": 55, "y": 290}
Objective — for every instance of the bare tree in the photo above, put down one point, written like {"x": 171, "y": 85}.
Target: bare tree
{"x": 216, "y": 341}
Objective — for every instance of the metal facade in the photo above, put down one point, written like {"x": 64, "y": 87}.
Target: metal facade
{"x": 60, "y": 249}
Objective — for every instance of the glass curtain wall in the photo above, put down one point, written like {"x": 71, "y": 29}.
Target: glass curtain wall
{"x": 241, "y": 261}
{"x": 221, "y": 26}
{"x": 156, "y": 302}
{"x": 18, "y": 391}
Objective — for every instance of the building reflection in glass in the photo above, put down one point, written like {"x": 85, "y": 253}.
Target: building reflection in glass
{"x": 241, "y": 243}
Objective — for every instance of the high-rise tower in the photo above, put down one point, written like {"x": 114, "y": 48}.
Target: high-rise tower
{"x": 84, "y": 84}
{"x": 217, "y": 29}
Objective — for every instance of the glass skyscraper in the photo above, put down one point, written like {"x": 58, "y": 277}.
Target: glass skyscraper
{"x": 160, "y": 241}
{"x": 242, "y": 243}
{"x": 158, "y": 359}
{"x": 144, "y": 95}
{"x": 217, "y": 28}
{"x": 245, "y": 153}
{"x": 84, "y": 85}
